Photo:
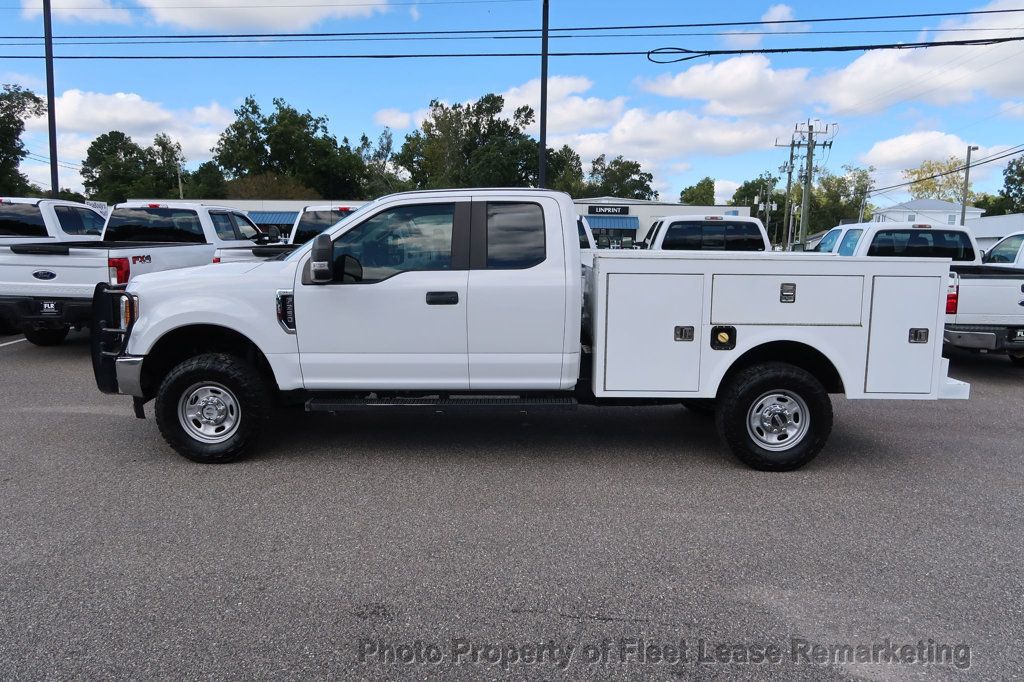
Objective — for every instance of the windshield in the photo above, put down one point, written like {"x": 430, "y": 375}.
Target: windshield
{"x": 154, "y": 225}
{"x": 828, "y": 242}
{"x": 313, "y": 223}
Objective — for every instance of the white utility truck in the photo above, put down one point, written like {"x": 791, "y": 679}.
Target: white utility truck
{"x": 470, "y": 299}
{"x": 707, "y": 233}
{"x": 46, "y": 288}
{"x": 984, "y": 301}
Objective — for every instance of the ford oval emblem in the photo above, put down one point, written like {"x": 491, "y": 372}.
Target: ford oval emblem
{"x": 44, "y": 274}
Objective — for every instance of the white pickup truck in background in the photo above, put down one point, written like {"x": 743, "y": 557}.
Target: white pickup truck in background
{"x": 707, "y": 233}
{"x": 311, "y": 221}
{"x": 469, "y": 299}
{"x": 984, "y": 302}
{"x": 1008, "y": 252}
{"x": 46, "y": 288}
{"x": 24, "y": 221}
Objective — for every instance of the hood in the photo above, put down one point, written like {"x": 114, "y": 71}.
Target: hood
{"x": 204, "y": 275}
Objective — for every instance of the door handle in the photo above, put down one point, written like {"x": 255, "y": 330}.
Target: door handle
{"x": 442, "y": 298}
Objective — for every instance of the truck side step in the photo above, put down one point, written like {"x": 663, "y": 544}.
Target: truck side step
{"x": 442, "y": 404}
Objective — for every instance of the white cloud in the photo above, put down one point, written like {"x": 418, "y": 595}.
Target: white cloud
{"x": 662, "y": 135}
{"x": 82, "y": 116}
{"x": 896, "y": 154}
{"x": 414, "y": 12}
{"x": 94, "y": 11}
{"x": 724, "y": 189}
{"x": 273, "y": 14}
{"x": 740, "y": 86}
{"x": 1012, "y": 109}
{"x": 393, "y": 118}
{"x": 23, "y": 79}
{"x": 747, "y": 40}
{"x": 567, "y": 110}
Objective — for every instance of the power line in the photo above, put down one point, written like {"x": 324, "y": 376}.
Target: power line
{"x": 681, "y": 54}
{"x": 652, "y": 55}
{"x": 386, "y": 3}
{"x": 716, "y": 24}
{"x": 989, "y": 159}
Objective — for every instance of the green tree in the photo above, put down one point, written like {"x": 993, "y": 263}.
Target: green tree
{"x": 938, "y": 180}
{"x": 620, "y": 178}
{"x": 565, "y": 171}
{"x": 839, "y": 197}
{"x": 381, "y": 176}
{"x": 205, "y": 182}
{"x": 471, "y": 145}
{"x": 700, "y": 194}
{"x": 113, "y": 165}
{"x": 242, "y": 147}
{"x": 1013, "y": 186}
{"x": 16, "y": 105}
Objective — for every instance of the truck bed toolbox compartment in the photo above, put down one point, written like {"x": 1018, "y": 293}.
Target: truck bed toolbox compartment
{"x": 823, "y": 300}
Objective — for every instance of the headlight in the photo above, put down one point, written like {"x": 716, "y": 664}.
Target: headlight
{"x": 129, "y": 310}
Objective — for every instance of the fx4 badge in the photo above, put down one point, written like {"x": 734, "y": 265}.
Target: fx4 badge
{"x": 141, "y": 259}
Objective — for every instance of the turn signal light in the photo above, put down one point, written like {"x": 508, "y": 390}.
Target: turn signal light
{"x": 119, "y": 270}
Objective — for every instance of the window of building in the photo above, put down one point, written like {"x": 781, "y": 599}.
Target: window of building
{"x": 911, "y": 217}
{"x": 951, "y": 219}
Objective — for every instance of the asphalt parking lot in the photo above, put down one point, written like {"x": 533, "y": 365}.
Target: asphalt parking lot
{"x": 358, "y": 537}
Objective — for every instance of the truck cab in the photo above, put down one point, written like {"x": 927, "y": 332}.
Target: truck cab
{"x": 23, "y": 221}
{"x": 1008, "y": 252}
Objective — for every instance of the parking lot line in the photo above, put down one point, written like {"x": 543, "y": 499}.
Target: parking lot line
{"x": 11, "y": 343}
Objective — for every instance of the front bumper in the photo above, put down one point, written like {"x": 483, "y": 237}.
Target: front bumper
{"x": 27, "y": 312}
{"x": 983, "y": 337}
{"x": 128, "y": 375}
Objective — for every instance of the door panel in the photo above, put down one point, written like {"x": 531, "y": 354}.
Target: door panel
{"x": 894, "y": 364}
{"x": 517, "y": 308}
{"x": 403, "y": 325}
{"x": 642, "y": 352}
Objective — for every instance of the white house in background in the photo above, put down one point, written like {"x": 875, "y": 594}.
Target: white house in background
{"x": 931, "y": 211}
{"x": 992, "y": 228}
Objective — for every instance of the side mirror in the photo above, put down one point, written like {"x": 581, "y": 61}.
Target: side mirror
{"x": 321, "y": 260}
{"x": 274, "y": 234}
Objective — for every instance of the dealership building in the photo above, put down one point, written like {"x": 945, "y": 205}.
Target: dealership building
{"x": 618, "y": 222}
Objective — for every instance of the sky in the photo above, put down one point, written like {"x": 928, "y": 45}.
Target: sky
{"x": 719, "y": 116}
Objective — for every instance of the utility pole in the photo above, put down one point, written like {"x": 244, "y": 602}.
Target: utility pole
{"x": 788, "y": 170}
{"x": 542, "y": 161}
{"x": 967, "y": 184}
{"x": 181, "y": 192}
{"x": 808, "y": 176}
{"x": 51, "y": 114}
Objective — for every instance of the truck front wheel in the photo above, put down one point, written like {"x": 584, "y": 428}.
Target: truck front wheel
{"x": 46, "y": 337}
{"x": 211, "y": 408}
{"x": 774, "y": 417}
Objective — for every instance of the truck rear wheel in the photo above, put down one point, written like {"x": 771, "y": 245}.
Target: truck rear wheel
{"x": 774, "y": 417}
{"x": 46, "y": 337}
{"x": 211, "y": 408}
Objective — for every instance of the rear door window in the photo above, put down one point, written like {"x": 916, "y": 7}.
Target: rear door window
{"x": 922, "y": 243}
{"x": 21, "y": 220}
{"x": 515, "y": 235}
{"x": 224, "y": 226}
{"x": 79, "y": 221}
{"x": 176, "y": 225}
{"x": 849, "y": 244}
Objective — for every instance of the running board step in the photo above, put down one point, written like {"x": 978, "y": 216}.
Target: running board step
{"x": 434, "y": 404}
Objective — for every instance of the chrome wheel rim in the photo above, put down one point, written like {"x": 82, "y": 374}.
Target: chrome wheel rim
{"x": 778, "y": 420}
{"x": 209, "y": 412}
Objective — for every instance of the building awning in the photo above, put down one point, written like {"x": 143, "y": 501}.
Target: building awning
{"x": 613, "y": 222}
{"x": 273, "y": 217}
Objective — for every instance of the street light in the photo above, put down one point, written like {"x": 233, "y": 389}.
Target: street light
{"x": 967, "y": 184}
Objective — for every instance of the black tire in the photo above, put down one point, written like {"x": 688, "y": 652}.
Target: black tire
{"x": 702, "y": 406}
{"x": 777, "y": 387}
{"x": 227, "y": 379}
{"x": 1017, "y": 360}
{"x": 46, "y": 337}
